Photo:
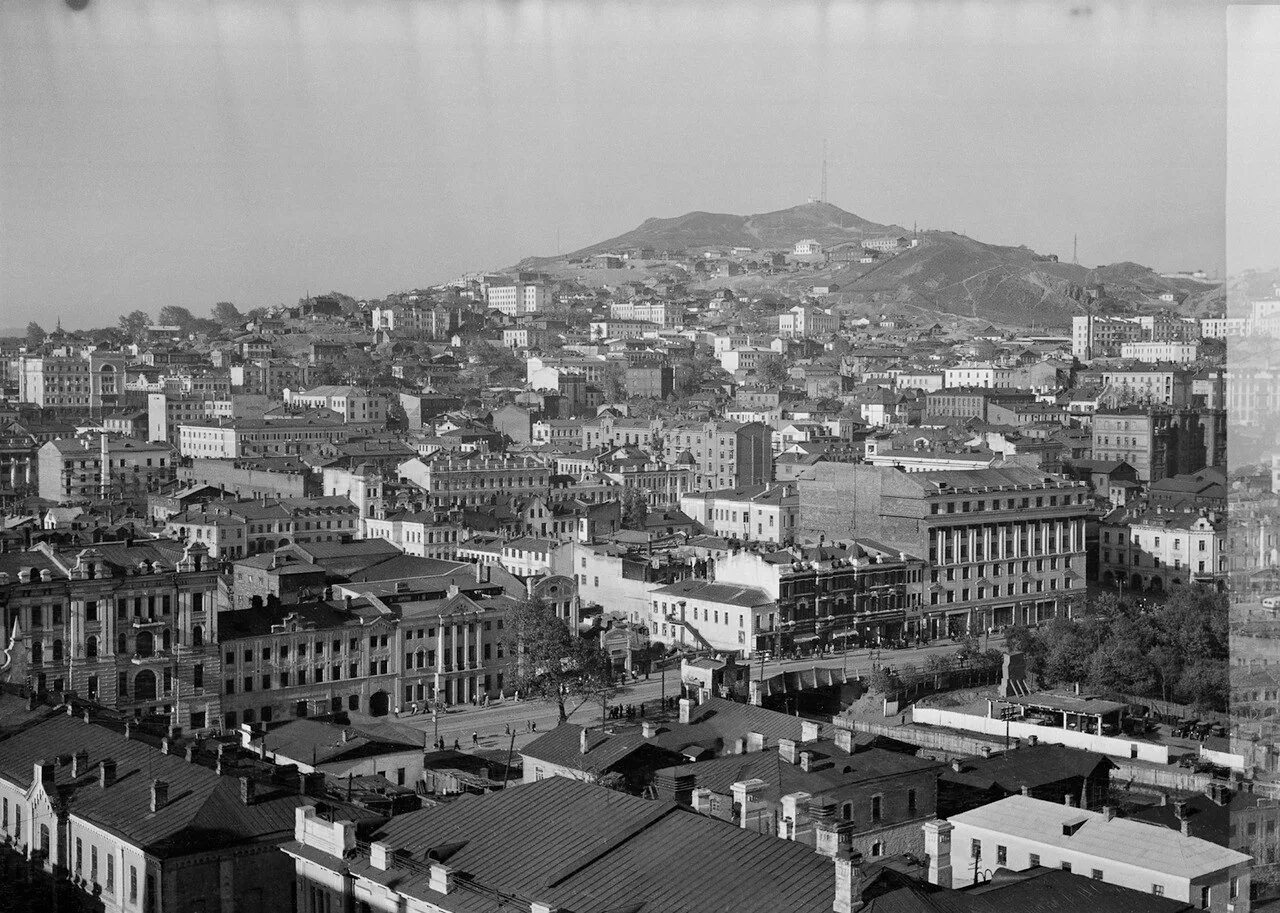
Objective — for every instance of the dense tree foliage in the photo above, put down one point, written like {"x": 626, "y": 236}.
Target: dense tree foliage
{"x": 554, "y": 663}
{"x": 134, "y": 324}
{"x": 1175, "y": 650}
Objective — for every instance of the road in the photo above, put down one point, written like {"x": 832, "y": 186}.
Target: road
{"x": 492, "y": 724}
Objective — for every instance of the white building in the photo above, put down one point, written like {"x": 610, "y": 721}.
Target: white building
{"x": 516, "y": 299}
{"x": 755, "y": 513}
{"x": 1020, "y": 833}
{"x": 807, "y": 248}
{"x": 803, "y": 320}
{"x": 83, "y": 381}
{"x": 1161, "y": 352}
{"x": 709, "y": 616}
{"x": 354, "y": 404}
{"x": 969, "y": 374}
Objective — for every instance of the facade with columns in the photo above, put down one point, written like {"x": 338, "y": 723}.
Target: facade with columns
{"x": 1004, "y": 545}
{"x": 129, "y": 625}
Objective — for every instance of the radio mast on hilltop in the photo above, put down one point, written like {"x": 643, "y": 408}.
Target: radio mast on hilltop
{"x": 823, "y": 196}
{"x": 1075, "y": 249}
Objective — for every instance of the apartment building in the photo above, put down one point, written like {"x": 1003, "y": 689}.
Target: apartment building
{"x": 238, "y": 438}
{"x": 723, "y": 454}
{"x": 664, "y": 314}
{"x": 236, "y": 529}
{"x": 1161, "y": 352}
{"x": 354, "y": 404}
{"x": 1101, "y": 337}
{"x": 516, "y": 299}
{"x": 1004, "y": 545}
{"x": 81, "y": 381}
{"x": 754, "y": 513}
{"x": 706, "y": 615}
{"x": 129, "y": 625}
{"x": 268, "y": 377}
{"x": 101, "y": 467}
{"x": 1156, "y": 549}
{"x": 803, "y": 321}
{"x": 477, "y": 478}
{"x": 1157, "y": 442}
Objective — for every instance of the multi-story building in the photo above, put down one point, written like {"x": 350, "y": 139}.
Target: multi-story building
{"x": 664, "y": 314}
{"x": 754, "y": 513}
{"x": 168, "y": 412}
{"x": 724, "y": 454}
{"x": 1157, "y": 549}
{"x": 235, "y": 529}
{"x": 857, "y": 591}
{"x": 1005, "y": 546}
{"x": 414, "y": 321}
{"x": 1140, "y": 384}
{"x": 1021, "y": 833}
{"x": 102, "y": 467}
{"x": 970, "y": 374}
{"x": 515, "y": 299}
{"x": 83, "y": 381}
{"x": 1101, "y": 337}
{"x": 238, "y": 438}
{"x": 268, "y": 377}
{"x": 129, "y": 625}
{"x": 1157, "y": 442}
{"x": 804, "y": 320}
{"x": 1161, "y": 352}
{"x": 705, "y": 615}
{"x": 971, "y": 402}
{"x": 129, "y": 824}
{"x": 354, "y": 404}
{"x": 649, "y": 381}
{"x": 476, "y": 478}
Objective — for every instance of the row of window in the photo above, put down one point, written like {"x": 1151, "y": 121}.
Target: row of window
{"x": 299, "y": 676}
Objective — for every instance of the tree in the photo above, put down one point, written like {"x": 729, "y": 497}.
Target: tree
{"x": 615, "y": 382}
{"x": 773, "y": 373}
{"x": 552, "y": 662}
{"x": 35, "y": 334}
{"x": 134, "y": 324}
{"x": 635, "y": 509}
{"x": 171, "y": 315}
{"x": 227, "y": 314}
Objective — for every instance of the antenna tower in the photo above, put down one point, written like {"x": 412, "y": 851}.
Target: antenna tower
{"x": 1075, "y": 249}
{"x": 823, "y": 196}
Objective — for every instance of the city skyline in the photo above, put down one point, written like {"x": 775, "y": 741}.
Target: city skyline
{"x": 253, "y": 154}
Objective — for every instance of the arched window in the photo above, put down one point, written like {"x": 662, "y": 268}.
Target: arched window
{"x": 144, "y": 686}
{"x": 57, "y": 651}
{"x": 91, "y": 647}
{"x": 197, "y": 636}
{"x": 145, "y": 643}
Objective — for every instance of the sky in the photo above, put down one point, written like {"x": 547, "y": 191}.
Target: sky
{"x": 191, "y": 151}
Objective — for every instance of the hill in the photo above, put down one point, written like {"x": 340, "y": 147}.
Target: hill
{"x": 946, "y": 273}
{"x": 822, "y": 222}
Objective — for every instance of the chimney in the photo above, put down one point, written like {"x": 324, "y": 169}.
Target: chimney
{"x": 806, "y": 761}
{"x": 1180, "y": 809}
{"x": 441, "y": 879}
{"x": 755, "y": 741}
{"x": 85, "y": 716}
{"x": 128, "y": 729}
{"x": 956, "y": 765}
{"x": 809, "y": 731}
{"x": 80, "y": 763}
{"x": 246, "y": 790}
{"x": 222, "y": 764}
{"x": 32, "y": 702}
{"x": 844, "y": 739}
{"x": 986, "y": 751}
{"x": 584, "y": 743}
{"x": 787, "y": 751}
{"x": 379, "y": 853}
{"x": 166, "y": 745}
{"x": 190, "y": 753}
{"x": 649, "y": 729}
{"x": 686, "y": 709}
{"x": 1066, "y": 800}
{"x": 937, "y": 848}
{"x": 159, "y": 795}
{"x": 1077, "y": 688}
{"x": 106, "y": 772}
{"x": 1026, "y": 790}
{"x": 1109, "y": 812}
{"x": 849, "y": 883}
{"x": 45, "y": 772}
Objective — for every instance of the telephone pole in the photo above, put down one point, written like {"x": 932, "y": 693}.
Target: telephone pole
{"x": 823, "y": 196}
{"x": 1075, "y": 249}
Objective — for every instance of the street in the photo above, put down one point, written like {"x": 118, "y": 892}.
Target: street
{"x": 490, "y": 724}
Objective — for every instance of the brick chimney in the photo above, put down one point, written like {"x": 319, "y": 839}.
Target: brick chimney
{"x": 937, "y": 848}
{"x": 246, "y": 790}
{"x": 45, "y": 772}
{"x": 844, "y": 739}
{"x": 159, "y": 795}
{"x": 106, "y": 772}
{"x": 441, "y": 878}
{"x": 849, "y": 883}
{"x": 80, "y": 763}
{"x": 787, "y": 751}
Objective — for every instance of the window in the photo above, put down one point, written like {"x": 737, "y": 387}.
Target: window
{"x": 1158, "y": 890}
{"x": 133, "y": 884}
{"x": 79, "y": 856}
{"x": 877, "y": 806}
{"x": 1066, "y": 867}
{"x": 1033, "y": 860}
{"x": 1002, "y": 855}
{"x": 93, "y": 864}
{"x": 975, "y": 848}
{"x": 1096, "y": 875}
{"x": 197, "y": 676}
{"x": 111, "y": 874}
{"x": 1204, "y": 897}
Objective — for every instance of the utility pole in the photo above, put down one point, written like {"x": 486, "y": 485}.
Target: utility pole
{"x": 824, "y": 170}
{"x": 1075, "y": 249}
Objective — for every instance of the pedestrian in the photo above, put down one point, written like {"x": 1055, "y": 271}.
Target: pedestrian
{"x": 475, "y": 740}
{"x": 457, "y": 746}
{"x": 533, "y": 727}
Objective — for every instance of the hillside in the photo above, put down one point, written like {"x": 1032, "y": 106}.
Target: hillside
{"x": 946, "y": 273}
{"x": 823, "y": 222}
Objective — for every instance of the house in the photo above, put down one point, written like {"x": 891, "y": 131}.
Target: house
{"x": 1021, "y": 832}
{"x": 1046, "y": 771}
{"x": 337, "y": 750}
